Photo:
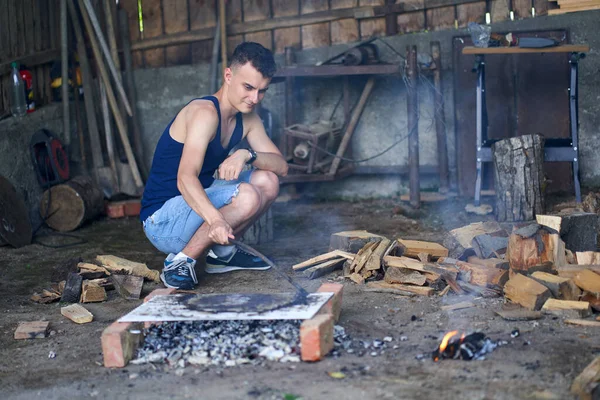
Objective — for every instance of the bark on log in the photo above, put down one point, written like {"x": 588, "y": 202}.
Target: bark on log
{"x": 519, "y": 174}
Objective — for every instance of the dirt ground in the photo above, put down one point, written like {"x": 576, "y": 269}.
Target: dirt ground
{"x": 540, "y": 364}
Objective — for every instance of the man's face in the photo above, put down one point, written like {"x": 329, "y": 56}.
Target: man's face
{"x": 247, "y": 87}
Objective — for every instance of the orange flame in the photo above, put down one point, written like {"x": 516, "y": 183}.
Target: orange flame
{"x": 447, "y": 338}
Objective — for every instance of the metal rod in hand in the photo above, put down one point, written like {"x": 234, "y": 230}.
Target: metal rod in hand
{"x": 250, "y": 250}
{"x": 111, "y": 65}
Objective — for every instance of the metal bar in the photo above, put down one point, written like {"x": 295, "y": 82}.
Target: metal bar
{"x": 64, "y": 62}
{"x": 286, "y": 142}
{"x": 336, "y": 70}
{"x": 412, "y": 109}
{"x": 574, "y": 122}
{"x": 479, "y": 125}
{"x": 440, "y": 127}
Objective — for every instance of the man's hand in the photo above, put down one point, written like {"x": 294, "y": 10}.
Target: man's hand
{"x": 232, "y": 166}
{"x": 220, "y": 232}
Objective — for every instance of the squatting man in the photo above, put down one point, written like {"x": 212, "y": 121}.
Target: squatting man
{"x": 185, "y": 209}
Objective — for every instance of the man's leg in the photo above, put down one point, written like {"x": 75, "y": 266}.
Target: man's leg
{"x": 266, "y": 184}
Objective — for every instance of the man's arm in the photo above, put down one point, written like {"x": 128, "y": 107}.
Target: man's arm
{"x": 201, "y": 126}
{"x": 268, "y": 156}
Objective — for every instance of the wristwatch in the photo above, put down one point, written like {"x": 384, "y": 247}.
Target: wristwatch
{"x": 252, "y": 156}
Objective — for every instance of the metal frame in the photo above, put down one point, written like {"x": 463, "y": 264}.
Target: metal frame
{"x": 555, "y": 150}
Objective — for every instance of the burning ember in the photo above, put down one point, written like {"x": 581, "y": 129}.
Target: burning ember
{"x": 473, "y": 346}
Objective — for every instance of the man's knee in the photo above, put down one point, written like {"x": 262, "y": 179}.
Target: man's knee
{"x": 267, "y": 182}
{"x": 247, "y": 199}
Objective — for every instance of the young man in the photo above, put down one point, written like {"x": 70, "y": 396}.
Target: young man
{"x": 185, "y": 210}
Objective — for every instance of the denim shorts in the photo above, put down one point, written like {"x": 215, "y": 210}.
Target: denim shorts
{"x": 172, "y": 226}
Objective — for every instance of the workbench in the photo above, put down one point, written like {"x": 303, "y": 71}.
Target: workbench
{"x": 329, "y": 71}
{"x": 555, "y": 149}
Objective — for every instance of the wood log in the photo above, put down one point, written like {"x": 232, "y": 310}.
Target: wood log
{"x": 490, "y": 244}
{"x": 128, "y": 286}
{"x": 519, "y": 173}
{"x": 113, "y": 263}
{"x": 422, "y": 291}
{"x": 323, "y": 257}
{"x": 374, "y": 261}
{"x": 464, "y": 235}
{"x": 324, "y": 268}
{"x": 68, "y": 205}
{"x": 578, "y": 230}
{"x": 588, "y": 281}
{"x": 482, "y": 275}
{"x": 424, "y": 257}
{"x": 587, "y": 257}
{"x": 526, "y": 292}
{"x": 412, "y": 248}
{"x": 77, "y": 314}
{"x": 497, "y": 263}
{"x": 357, "y": 278}
{"x": 84, "y": 267}
{"x": 561, "y": 288}
{"x": 403, "y": 275}
{"x": 92, "y": 293}
{"x": 587, "y": 382}
{"x": 569, "y": 271}
{"x": 567, "y": 308}
{"x": 361, "y": 258}
{"x": 352, "y": 241}
{"x": 532, "y": 248}
{"x": 72, "y": 290}
{"x": 405, "y": 262}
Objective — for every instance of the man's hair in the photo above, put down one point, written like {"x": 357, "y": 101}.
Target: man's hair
{"x": 258, "y": 56}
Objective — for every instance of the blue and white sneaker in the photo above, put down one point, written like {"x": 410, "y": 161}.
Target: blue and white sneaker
{"x": 179, "y": 274}
{"x": 237, "y": 260}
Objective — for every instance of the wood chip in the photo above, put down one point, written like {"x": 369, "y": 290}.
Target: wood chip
{"x": 458, "y": 306}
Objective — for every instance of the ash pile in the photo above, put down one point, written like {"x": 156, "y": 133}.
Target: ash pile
{"x": 231, "y": 343}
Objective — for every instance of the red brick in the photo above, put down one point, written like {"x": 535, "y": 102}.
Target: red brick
{"x": 132, "y": 207}
{"x": 115, "y": 209}
{"x": 334, "y": 305}
{"x": 119, "y": 343}
{"x": 316, "y": 337}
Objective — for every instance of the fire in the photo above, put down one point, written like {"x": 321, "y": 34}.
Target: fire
{"x": 447, "y": 338}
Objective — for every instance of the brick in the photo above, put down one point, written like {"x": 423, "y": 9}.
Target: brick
{"x": 115, "y": 209}
{"x": 316, "y": 337}
{"x": 119, "y": 343}
{"x": 32, "y": 330}
{"x": 132, "y": 208}
{"x": 334, "y": 305}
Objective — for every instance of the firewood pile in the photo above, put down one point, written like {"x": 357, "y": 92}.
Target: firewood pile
{"x": 548, "y": 267}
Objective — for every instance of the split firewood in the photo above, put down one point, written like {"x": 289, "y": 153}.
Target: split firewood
{"x": 490, "y": 244}
{"x": 424, "y": 257}
{"x": 532, "y": 248}
{"x": 92, "y": 293}
{"x": 389, "y": 290}
{"x": 579, "y": 230}
{"x": 374, "y": 261}
{"x": 444, "y": 291}
{"x": 405, "y": 262}
{"x": 352, "y": 241}
{"x": 588, "y": 281}
{"x": 592, "y": 299}
{"x": 519, "y": 314}
{"x": 461, "y": 239}
{"x": 403, "y": 275}
{"x": 526, "y": 292}
{"x": 362, "y": 256}
{"x": 458, "y": 306}
{"x": 72, "y": 290}
{"x": 570, "y": 257}
{"x": 482, "y": 291}
{"x": 113, "y": 263}
{"x": 453, "y": 284}
{"x": 489, "y": 262}
{"x": 587, "y": 382}
{"x": 32, "y": 330}
{"x": 61, "y": 287}
{"x": 322, "y": 258}
{"x": 324, "y": 268}
{"x": 583, "y": 322}
{"x": 569, "y": 271}
{"x": 47, "y": 296}
{"x": 128, "y": 286}
{"x": 77, "y": 313}
{"x": 346, "y": 271}
{"x": 89, "y": 267}
{"x": 420, "y": 290}
{"x": 587, "y": 257}
{"x": 107, "y": 283}
{"x": 567, "y": 308}
{"x": 357, "y": 278}
{"x": 561, "y": 288}
{"x": 482, "y": 275}
{"x": 412, "y": 248}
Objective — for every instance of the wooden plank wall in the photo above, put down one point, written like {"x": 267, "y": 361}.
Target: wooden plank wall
{"x": 165, "y": 17}
{"x": 27, "y": 27}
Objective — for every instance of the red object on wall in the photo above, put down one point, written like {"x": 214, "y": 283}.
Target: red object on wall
{"x": 28, "y": 79}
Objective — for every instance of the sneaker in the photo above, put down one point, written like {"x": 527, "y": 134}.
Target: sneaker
{"x": 238, "y": 260}
{"x": 179, "y": 274}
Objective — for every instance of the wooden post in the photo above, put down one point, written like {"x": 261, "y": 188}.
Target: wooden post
{"x": 412, "y": 109}
{"x": 64, "y": 60}
{"x": 223, "y": 22}
{"x": 518, "y": 164}
{"x": 391, "y": 21}
{"x": 289, "y": 104}
{"x": 440, "y": 127}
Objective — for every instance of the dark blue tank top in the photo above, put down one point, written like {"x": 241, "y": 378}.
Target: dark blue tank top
{"x": 162, "y": 182}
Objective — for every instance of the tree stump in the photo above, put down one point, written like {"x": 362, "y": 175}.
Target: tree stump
{"x": 67, "y": 206}
{"x": 518, "y": 164}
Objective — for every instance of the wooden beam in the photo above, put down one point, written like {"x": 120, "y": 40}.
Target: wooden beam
{"x": 567, "y": 48}
{"x": 31, "y": 60}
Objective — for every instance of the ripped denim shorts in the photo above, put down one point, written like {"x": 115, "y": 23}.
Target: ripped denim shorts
{"x": 172, "y": 226}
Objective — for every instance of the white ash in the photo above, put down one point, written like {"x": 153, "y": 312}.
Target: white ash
{"x": 231, "y": 343}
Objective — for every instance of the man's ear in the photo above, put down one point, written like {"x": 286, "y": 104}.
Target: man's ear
{"x": 227, "y": 75}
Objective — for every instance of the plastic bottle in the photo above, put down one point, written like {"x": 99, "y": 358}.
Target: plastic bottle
{"x": 18, "y": 105}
